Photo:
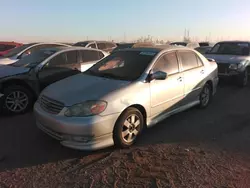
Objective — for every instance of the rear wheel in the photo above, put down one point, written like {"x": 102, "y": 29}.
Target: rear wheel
{"x": 205, "y": 96}
{"x": 128, "y": 127}
{"x": 16, "y": 100}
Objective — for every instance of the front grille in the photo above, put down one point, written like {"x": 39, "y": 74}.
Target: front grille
{"x": 51, "y": 105}
{"x": 222, "y": 67}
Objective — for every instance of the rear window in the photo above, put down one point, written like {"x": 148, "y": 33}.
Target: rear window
{"x": 34, "y": 59}
{"x": 231, "y": 48}
{"x": 17, "y": 50}
{"x": 4, "y": 47}
{"x": 81, "y": 44}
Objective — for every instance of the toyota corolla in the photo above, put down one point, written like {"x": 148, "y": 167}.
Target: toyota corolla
{"x": 129, "y": 90}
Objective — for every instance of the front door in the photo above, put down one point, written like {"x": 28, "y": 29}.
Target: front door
{"x": 167, "y": 94}
{"x": 58, "y": 68}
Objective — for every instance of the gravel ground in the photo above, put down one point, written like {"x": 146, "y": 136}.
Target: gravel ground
{"x": 197, "y": 148}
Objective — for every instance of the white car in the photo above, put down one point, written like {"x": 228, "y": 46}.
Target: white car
{"x": 24, "y": 50}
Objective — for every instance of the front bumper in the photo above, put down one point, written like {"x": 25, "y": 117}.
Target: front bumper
{"x": 84, "y": 133}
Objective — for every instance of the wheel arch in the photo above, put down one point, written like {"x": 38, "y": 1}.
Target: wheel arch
{"x": 18, "y": 82}
{"x": 210, "y": 83}
{"x": 141, "y": 109}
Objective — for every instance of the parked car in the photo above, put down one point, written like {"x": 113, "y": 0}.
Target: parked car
{"x": 203, "y": 49}
{"x": 233, "y": 60}
{"x": 22, "y": 81}
{"x": 24, "y": 50}
{"x": 123, "y": 46}
{"x": 102, "y": 45}
{"x": 113, "y": 101}
{"x": 5, "y": 47}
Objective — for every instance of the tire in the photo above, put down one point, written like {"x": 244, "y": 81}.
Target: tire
{"x": 16, "y": 100}
{"x": 205, "y": 96}
{"x": 242, "y": 80}
{"x": 127, "y": 129}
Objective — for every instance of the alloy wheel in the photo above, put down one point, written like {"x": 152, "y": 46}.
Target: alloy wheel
{"x": 16, "y": 101}
{"x": 131, "y": 128}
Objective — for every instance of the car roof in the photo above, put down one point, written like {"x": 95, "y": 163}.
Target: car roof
{"x": 232, "y": 41}
{"x": 10, "y": 43}
{"x": 65, "y": 48}
{"x": 157, "y": 48}
{"x": 88, "y": 41}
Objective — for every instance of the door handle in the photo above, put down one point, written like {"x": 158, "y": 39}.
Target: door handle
{"x": 202, "y": 72}
{"x": 180, "y": 79}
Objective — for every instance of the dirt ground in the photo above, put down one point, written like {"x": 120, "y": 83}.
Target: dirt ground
{"x": 197, "y": 148}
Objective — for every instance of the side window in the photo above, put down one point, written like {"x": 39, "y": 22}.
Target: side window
{"x": 92, "y": 45}
{"x": 167, "y": 63}
{"x": 110, "y": 45}
{"x": 89, "y": 55}
{"x": 188, "y": 59}
{"x": 101, "y": 55}
{"x": 101, "y": 46}
{"x": 59, "y": 60}
{"x": 71, "y": 57}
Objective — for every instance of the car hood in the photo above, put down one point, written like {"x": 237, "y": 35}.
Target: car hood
{"x": 6, "y": 61}
{"x": 82, "y": 87}
{"x": 6, "y": 71}
{"x": 226, "y": 58}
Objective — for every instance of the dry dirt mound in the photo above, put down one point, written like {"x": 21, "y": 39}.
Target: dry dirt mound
{"x": 154, "y": 166}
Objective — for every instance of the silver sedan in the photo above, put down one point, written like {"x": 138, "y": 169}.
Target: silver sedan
{"x": 132, "y": 89}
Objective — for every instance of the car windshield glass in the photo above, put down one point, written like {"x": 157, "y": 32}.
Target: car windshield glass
{"x": 17, "y": 50}
{"x": 34, "y": 59}
{"x": 83, "y": 44}
{"x": 231, "y": 48}
{"x": 179, "y": 43}
{"x": 123, "y": 65}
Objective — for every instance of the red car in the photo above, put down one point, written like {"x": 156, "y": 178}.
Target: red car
{"x": 5, "y": 47}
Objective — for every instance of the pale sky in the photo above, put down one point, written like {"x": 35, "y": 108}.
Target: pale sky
{"x": 77, "y": 20}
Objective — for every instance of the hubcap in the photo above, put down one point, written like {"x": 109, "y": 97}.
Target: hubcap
{"x": 205, "y": 96}
{"x": 16, "y": 101}
{"x": 131, "y": 127}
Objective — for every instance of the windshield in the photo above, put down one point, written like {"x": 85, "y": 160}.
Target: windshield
{"x": 82, "y": 44}
{"x": 34, "y": 59}
{"x": 17, "y": 50}
{"x": 123, "y": 65}
{"x": 231, "y": 48}
{"x": 179, "y": 43}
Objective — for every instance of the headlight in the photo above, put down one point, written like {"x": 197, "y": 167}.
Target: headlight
{"x": 88, "y": 108}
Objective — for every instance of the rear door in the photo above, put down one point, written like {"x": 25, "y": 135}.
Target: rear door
{"x": 194, "y": 74}
{"x": 88, "y": 58}
{"x": 58, "y": 68}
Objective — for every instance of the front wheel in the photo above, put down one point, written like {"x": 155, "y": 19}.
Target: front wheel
{"x": 243, "y": 79}
{"x": 16, "y": 100}
{"x": 205, "y": 96}
{"x": 128, "y": 127}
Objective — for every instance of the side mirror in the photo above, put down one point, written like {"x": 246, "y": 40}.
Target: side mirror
{"x": 159, "y": 75}
{"x": 210, "y": 60}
